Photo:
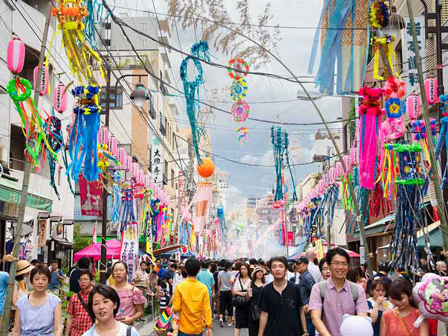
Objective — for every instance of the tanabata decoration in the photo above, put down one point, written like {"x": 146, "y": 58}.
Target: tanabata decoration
{"x": 70, "y": 15}
{"x": 53, "y": 129}
{"x": 16, "y": 55}
{"x": 206, "y": 168}
{"x": 408, "y": 182}
{"x": 431, "y": 90}
{"x": 83, "y": 139}
{"x": 394, "y": 88}
{"x": 395, "y": 108}
{"x": 431, "y": 295}
{"x": 370, "y": 113}
{"x": 238, "y": 89}
{"x": 60, "y": 98}
{"x": 235, "y": 67}
{"x": 242, "y": 131}
{"x": 443, "y": 137}
{"x": 383, "y": 46}
{"x": 343, "y": 48}
{"x": 240, "y": 111}
{"x": 127, "y": 208}
{"x": 280, "y": 143}
{"x": 191, "y": 89}
{"x": 379, "y": 14}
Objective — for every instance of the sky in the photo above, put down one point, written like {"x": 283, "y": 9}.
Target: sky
{"x": 294, "y": 50}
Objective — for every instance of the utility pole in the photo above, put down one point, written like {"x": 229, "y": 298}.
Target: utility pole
{"x": 433, "y": 161}
{"x": 23, "y": 195}
{"x": 328, "y": 214}
{"x": 103, "y": 268}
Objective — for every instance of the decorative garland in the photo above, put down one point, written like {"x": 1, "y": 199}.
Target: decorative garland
{"x": 379, "y": 14}
{"x": 235, "y": 67}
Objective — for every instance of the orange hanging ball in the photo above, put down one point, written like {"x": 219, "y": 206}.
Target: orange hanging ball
{"x": 207, "y": 168}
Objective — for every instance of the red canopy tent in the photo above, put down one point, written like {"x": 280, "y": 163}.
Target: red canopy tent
{"x": 93, "y": 251}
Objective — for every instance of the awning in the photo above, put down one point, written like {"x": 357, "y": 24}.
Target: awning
{"x": 376, "y": 227}
{"x": 434, "y": 233}
{"x": 10, "y": 193}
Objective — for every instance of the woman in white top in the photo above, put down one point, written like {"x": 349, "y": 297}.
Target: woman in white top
{"x": 104, "y": 303}
{"x": 240, "y": 289}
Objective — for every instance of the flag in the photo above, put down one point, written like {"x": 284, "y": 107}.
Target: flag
{"x": 94, "y": 236}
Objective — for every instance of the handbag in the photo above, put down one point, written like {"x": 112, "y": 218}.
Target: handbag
{"x": 238, "y": 300}
{"x": 255, "y": 312}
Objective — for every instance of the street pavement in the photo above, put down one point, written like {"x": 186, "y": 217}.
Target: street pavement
{"x": 147, "y": 329}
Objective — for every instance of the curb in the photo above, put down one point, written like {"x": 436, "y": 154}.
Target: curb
{"x": 145, "y": 324}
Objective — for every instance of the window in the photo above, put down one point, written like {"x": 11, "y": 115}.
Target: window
{"x": 172, "y": 178}
{"x": 114, "y": 98}
{"x": 143, "y": 42}
{"x": 143, "y": 25}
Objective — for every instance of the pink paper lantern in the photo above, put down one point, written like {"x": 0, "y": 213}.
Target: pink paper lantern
{"x": 353, "y": 157}
{"x": 128, "y": 163}
{"x": 339, "y": 169}
{"x": 413, "y": 106}
{"x": 146, "y": 181}
{"x": 60, "y": 98}
{"x": 122, "y": 156}
{"x": 134, "y": 170}
{"x": 112, "y": 146}
{"x": 431, "y": 90}
{"x": 347, "y": 163}
{"x": 44, "y": 79}
{"x": 16, "y": 55}
{"x": 325, "y": 179}
{"x": 331, "y": 175}
{"x": 140, "y": 176}
{"x": 103, "y": 135}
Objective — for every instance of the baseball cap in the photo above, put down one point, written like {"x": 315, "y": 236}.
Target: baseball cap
{"x": 302, "y": 260}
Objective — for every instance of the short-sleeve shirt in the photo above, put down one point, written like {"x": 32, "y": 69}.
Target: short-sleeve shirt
{"x": 394, "y": 326}
{"x": 283, "y": 309}
{"x": 206, "y": 277}
{"x": 81, "y": 318}
{"x": 54, "y": 282}
{"x": 121, "y": 332}
{"x": 337, "y": 304}
{"x": 224, "y": 277}
{"x": 129, "y": 299}
{"x": 37, "y": 321}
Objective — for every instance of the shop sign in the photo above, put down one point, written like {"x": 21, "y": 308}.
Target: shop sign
{"x": 9, "y": 209}
{"x": 42, "y": 241}
{"x": 157, "y": 162}
{"x": 91, "y": 193}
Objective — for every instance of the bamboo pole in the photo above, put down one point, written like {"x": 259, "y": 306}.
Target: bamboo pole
{"x": 23, "y": 195}
{"x": 432, "y": 157}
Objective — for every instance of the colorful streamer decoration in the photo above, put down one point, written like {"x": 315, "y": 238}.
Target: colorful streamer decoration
{"x": 191, "y": 88}
{"x": 83, "y": 141}
{"x": 240, "y": 111}
{"x": 70, "y": 15}
{"x": 235, "y": 67}
{"x": 242, "y": 131}
{"x": 384, "y": 47}
{"x": 238, "y": 89}
{"x": 53, "y": 130}
{"x": 379, "y": 14}
{"x": 370, "y": 114}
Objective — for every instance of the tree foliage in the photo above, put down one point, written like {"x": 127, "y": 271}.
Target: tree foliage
{"x": 79, "y": 240}
{"x": 213, "y": 18}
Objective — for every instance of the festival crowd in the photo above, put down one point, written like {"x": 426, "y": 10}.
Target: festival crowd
{"x": 304, "y": 297}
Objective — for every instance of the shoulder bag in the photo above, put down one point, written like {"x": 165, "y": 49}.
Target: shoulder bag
{"x": 85, "y": 307}
{"x": 238, "y": 300}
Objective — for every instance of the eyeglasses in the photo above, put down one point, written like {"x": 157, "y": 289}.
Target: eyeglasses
{"x": 339, "y": 264}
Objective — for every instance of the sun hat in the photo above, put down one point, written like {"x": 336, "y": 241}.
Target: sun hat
{"x": 256, "y": 269}
{"x": 23, "y": 267}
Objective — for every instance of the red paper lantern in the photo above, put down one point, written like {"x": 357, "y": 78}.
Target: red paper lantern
{"x": 207, "y": 168}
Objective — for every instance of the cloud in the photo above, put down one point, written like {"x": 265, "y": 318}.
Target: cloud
{"x": 267, "y": 159}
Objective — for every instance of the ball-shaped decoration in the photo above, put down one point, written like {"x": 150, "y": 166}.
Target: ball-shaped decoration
{"x": 207, "y": 168}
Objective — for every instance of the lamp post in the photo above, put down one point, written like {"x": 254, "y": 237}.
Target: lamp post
{"x": 139, "y": 96}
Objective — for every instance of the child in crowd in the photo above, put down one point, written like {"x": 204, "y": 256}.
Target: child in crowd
{"x": 378, "y": 303}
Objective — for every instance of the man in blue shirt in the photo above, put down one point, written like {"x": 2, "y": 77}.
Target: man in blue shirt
{"x": 206, "y": 278}
{"x": 56, "y": 275}
{"x": 305, "y": 286}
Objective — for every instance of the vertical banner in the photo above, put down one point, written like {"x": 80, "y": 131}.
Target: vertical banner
{"x": 91, "y": 193}
{"x": 409, "y": 57}
{"x": 202, "y": 199}
{"x": 181, "y": 195}
{"x": 129, "y": 249}
{"x": 42, "y": 241}
{"x": 319, "y": 249}
{"x": 157, "y": 162}
{"x": 290, "y": 238}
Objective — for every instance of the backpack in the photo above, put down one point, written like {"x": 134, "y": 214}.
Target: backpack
{"x": 323, "y": 289}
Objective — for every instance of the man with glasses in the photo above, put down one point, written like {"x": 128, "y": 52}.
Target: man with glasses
{"x": 79, "y": 320}
{"x": 338, "y": 295}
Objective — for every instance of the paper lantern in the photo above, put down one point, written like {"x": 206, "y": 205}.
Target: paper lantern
{"x": 112, "y": 146}
{"x": 146, "y": 181}
{"x": 122, "y": 156}
{"x": 60, "y": 98}
{"x": 134, "y": 170}
{"x": 103, "y": 135}
{"x": 325, "y": 179}
{"x": 207, "y": 168}
{"x": 152, "y": 186}
{"x": 128, "y": 163}
{"x": 44, "y": 79}
{"x": 339, "y": 171}
{"x": 347, "y": 163}
{"x": 431, "y": 90}
{"x": 16, "y": 55}
{"x": 413, "y": 106}
{"x": 140, "y": 176}
{"x": 353, "y": 157}
{"x": 331, "y": 175}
